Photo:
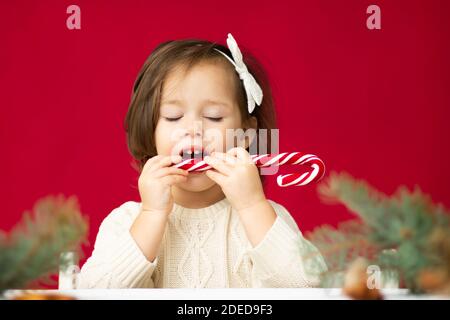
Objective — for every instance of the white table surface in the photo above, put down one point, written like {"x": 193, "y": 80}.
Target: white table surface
{"x": 220, "y": 294}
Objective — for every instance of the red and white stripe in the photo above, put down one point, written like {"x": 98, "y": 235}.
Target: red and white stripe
{"x": 313, "y": 163}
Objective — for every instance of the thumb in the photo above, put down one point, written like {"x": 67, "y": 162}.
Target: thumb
{"x": 215, "y": 176}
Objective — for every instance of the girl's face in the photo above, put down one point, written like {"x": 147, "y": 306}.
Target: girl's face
{"x": 196, "y": 109}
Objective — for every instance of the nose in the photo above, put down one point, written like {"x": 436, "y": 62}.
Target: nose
{"x": 195, "y": 129}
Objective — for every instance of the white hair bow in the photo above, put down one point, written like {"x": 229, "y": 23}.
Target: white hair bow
{"x": 252, "y": 88}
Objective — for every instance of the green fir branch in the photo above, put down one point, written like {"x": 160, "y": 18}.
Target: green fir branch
{"x": 394, "y": 232}
{"x": 31, "y": 251}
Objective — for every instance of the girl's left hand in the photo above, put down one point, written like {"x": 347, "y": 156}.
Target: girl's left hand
{"x": 238, "y": 177}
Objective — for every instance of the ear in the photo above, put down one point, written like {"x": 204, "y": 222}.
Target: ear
{"x": 251, "y": 123}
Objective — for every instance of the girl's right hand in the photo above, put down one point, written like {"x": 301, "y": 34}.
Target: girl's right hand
{"x": 156, "y": 181}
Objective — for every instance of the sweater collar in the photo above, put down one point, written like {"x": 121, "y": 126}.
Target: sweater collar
{"x": 200, "y": 213}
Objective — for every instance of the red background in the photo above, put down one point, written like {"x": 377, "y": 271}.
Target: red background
{"x": 374, "y": 103}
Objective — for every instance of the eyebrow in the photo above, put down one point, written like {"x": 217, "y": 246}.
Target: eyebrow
{"x": 175, "y": 102}
{"x": 204, "y": 102}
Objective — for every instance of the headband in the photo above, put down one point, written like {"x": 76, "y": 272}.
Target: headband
{"x": 252, "y": 88}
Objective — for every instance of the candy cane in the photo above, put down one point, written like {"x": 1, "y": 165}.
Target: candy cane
{"x": 313, "y": 163}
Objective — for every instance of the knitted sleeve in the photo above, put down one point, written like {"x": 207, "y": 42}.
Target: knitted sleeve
{"x": 116, "y": 261}
{"x": 284, "y": 258}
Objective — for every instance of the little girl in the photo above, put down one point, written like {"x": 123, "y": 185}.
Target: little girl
{"x": 209, "y": 229}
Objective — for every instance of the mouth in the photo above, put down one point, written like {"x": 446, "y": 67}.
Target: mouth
{"x": 193, "y": 152}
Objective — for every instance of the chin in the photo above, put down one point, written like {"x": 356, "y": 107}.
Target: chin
{"x": 197, "y": 182}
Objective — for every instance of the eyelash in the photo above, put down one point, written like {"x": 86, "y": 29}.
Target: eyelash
{"x": 212, "y": 119}
{"x": 172, "y": 119}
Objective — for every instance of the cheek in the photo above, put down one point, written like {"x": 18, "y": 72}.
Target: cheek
{"x": 216, "y": 134}
{"x": 162, "y": 134}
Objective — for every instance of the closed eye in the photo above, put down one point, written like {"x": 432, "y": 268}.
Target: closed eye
{"x": 214, "y": 119}
{"x": 209, "y": 118}
{"x": 172, "y": 119}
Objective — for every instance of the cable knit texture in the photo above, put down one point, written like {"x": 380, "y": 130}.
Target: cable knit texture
{"x": 202, "y": 248}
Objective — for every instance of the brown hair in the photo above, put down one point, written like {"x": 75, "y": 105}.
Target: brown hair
{"x": 143, "y": 113}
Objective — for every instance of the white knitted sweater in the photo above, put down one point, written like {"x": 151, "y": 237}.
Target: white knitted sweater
{"x": 202, "y": 248}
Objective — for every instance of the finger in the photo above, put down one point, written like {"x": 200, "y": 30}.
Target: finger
{"x": 169, "y": 170}
{"x": 218, "y": 164}
{"x": 173, "y": 179}
{"x": 166, "y": 161}
{"x": 240, "y": 153}
{"x": 229, "y": 159}
{"x": 151, "y": 161}
{"x": 215, "y": 176}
